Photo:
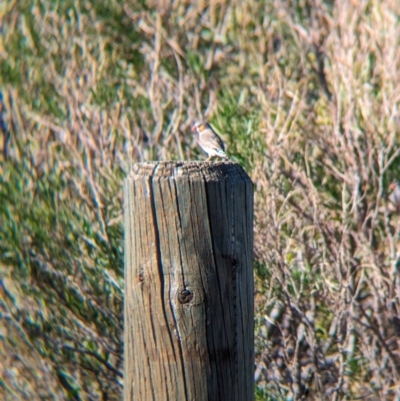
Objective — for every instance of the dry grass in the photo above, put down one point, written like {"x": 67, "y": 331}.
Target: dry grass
{"x": 306, "y": 95}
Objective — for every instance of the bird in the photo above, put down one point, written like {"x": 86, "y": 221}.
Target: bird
{"x": 394, "y": 197}
{"x": 209, "y": 141}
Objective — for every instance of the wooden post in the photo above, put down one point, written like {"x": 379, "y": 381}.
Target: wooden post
{"x": 189, "y": 327}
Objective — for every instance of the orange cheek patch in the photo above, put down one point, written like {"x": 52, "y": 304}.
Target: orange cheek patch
{"x": 202, "y": 127}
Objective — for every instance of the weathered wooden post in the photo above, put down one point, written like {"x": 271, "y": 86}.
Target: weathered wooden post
{"x": 189, "y": 332}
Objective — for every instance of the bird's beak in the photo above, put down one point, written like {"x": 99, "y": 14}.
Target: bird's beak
{"x": 193, "y": 128}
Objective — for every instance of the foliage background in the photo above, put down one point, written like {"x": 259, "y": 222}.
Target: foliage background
{"x": 306, "y": 95}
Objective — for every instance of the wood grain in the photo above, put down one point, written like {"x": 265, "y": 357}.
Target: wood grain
{"x": 189, "y": 330}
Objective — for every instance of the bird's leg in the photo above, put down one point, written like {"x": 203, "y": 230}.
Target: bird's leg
{"x": 208, "y": 158}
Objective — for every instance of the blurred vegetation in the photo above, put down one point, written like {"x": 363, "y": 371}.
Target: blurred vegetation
{"x": 306, "y": 95}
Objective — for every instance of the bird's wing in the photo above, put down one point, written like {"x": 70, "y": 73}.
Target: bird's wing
{"x": 395, "y": 196}
{"x": 211, "y": 138}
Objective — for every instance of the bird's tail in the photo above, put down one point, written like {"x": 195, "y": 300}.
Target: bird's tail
{"x": 221, "y": 153}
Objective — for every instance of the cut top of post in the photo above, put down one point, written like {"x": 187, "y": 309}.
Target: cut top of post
{"x": 212, "y": 171}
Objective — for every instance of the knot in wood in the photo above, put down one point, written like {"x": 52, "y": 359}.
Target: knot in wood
{"x": 185, "y": 296}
